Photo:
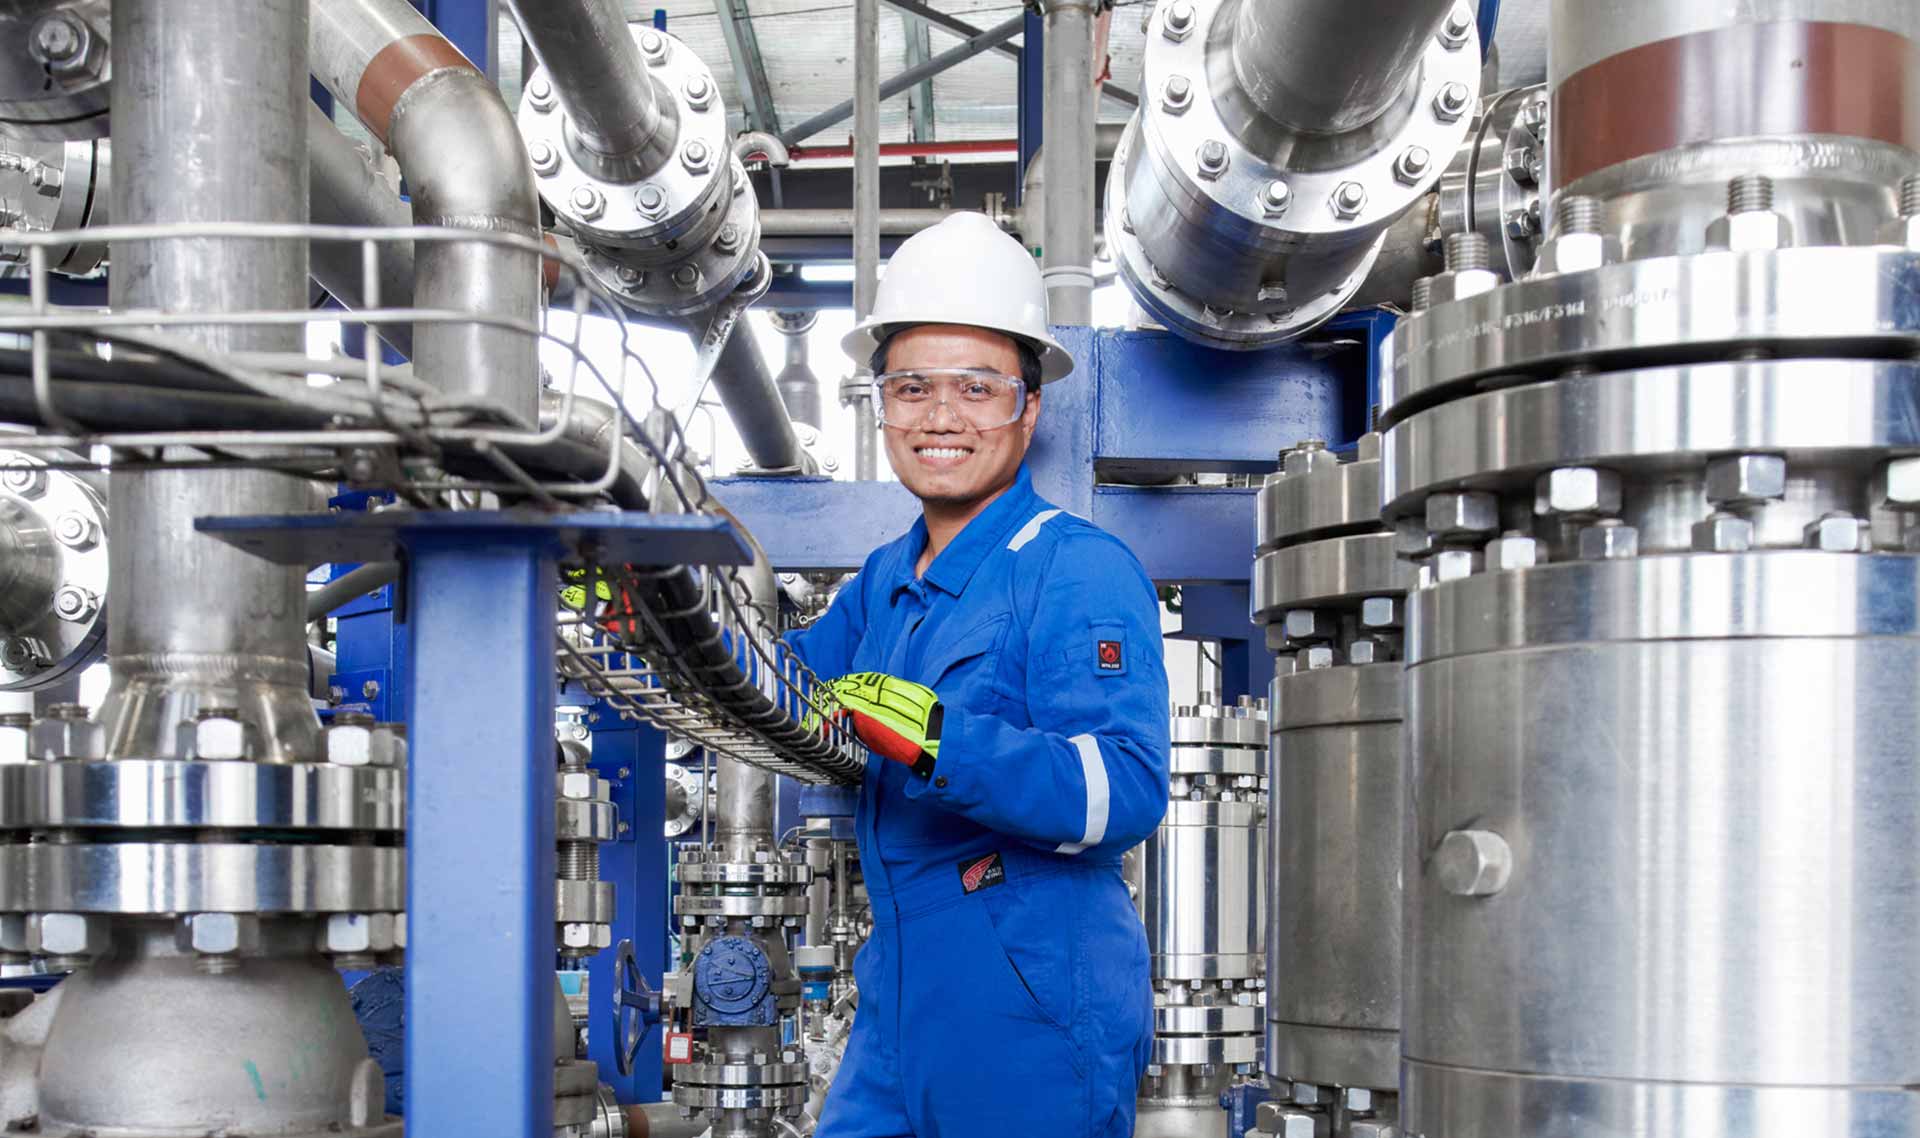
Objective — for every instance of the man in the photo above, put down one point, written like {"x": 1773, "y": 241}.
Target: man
{"x": 1005, "y": 657}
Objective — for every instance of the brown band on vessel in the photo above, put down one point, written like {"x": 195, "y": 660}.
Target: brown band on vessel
{"x": 1748, "y": 80}
{"x": 550, "y": 266}
{"x": 396, "y": 67}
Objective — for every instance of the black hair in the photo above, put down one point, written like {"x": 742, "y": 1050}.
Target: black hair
{"x": 1029, "y": 358}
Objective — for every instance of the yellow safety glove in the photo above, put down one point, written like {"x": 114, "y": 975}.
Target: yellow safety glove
{"x": 897, "y": 719}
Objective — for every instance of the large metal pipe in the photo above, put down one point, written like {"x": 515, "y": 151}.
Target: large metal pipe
{"x": 866, "y": 214}
{"x": 743, "y": 822}
{"x": 839, "y": 222}
{"x": 1329, "y": 65}
{"x": 198, "y": 623}
{"x": 601, "y": 80}
{"x": 1067, "y": 244}
{"x": 345, "y": 190}
{"x": 458, "y": 147}
{"x": 753, "y": 403}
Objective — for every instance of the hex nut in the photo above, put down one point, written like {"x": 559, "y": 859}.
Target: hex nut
{"x": 1309, "y": 1094}
{"x": 588, "y": 202}
{"x": 1314, "y": 657}
{"x": 1410, "y": 537}
{"x": 67, "y": 934}
{"x": 24, "y": 479}
{"x": 1522, "y": 163}
{"x": 1454, "y": 29}
{"x": 577, "y": 784}
{"x": 1902, "y": 476}
{"x": 699, "y": 92}
{"x": 1212, "y": 158}
{"x": 76, "y": 531}
{"x": 75, "y": 604}
{"x": 1381, "y": 612}
{"x": 1456, "y": 514}
{"x": 1722, "y": 532}
{"x": 1737, "y": 479}
{"x": 1452, "y": 101}
{"x": 1366, "y": 650}
{"x": 1522, "y": 225}
{"x": 1306, "y": 624}
{"x": 1349, "y": 198}
{"x": 1178, "y": 23}
{"x": 1412, "y": 165}
{"x": 540, "y": 94}
{"x": 1609, "y": 540}
{"x": 350, "y": 744}
{"x": 1275, "y": 198}
{"x": 545, "y": 159}
{"x": 60, "y": 738}
{"x": 1177, "y": 95}
{"x": 13, "y": 934}
{"x": 1459, "y": 284}
{"x": 1839, "y": 532}
{"x": 650, "y": 200}
{"x": 354, "y": 933}
{"x": 1576, "y": 253}
{"x": 1452, "y": 565}
{"x": 1359, "y": 1100}
{"x": 216, "y": 735}
{"x": 578, "y": 935}
{"x": 1302, "y": 1124}
{"x": 217, "y": 934}
{"x": 1747, "y": 232}
{"x": 696, "y": 156}
{"x": 1473, "y": 863}
{"x": 1372, "y": 1128}
{"x": 653, "y": 45}
{"x": 1576, "y": 492}
{"x": 1512, "y": 550}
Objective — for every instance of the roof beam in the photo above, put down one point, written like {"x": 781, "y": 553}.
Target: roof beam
{"x": 919, "y": 50}
{"x": 912, "y": 76}
{"x": 964, "y": 30}
{"x": 749, "y": 66}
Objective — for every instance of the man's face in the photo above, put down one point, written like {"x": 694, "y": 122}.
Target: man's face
{"x": 943, "y": 458}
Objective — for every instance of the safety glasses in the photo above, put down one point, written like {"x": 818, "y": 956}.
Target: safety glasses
{"x": 980, "y": 398}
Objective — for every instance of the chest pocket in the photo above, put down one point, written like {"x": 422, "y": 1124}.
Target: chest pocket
{"x": 963, "y": 671}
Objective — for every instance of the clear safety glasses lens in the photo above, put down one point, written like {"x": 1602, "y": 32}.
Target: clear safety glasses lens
{"x": 980, "y": 399}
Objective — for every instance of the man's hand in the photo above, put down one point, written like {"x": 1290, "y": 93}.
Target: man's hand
{"x": 897, "y": 719}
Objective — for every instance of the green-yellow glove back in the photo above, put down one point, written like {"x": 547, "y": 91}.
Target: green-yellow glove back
{"x": 897, "y": 719}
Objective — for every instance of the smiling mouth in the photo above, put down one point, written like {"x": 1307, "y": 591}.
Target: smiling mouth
{"x": 946, "y": 454}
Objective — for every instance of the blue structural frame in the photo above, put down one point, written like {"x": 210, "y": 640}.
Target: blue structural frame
{"x": 479, "y": 632}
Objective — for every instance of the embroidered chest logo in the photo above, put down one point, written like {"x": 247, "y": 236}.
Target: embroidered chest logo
{"x": 1110, "y": 657}
{"x": 981, "y": 873}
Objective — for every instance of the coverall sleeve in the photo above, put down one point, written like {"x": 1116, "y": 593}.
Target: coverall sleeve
{"x": 827, "y": 645}
{"x": 1091, "y": 771}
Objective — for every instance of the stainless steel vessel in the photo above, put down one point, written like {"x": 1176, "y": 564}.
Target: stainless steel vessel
{"x": 1661, "y": 745}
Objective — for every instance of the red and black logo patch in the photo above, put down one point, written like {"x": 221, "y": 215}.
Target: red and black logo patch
{"x": 977, "y": 873}
{"x": 1110, "y": 657}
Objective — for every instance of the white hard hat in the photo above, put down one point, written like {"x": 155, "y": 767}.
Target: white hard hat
{"x": 965, "y": 270}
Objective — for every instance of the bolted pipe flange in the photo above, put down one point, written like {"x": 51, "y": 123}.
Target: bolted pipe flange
{"x": 652, "y": 281}
{"x": 692, "y": 110}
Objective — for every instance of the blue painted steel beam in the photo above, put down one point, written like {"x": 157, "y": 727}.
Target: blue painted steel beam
{"x": 480, "y": 834}
{"x": 815, "y": 524}
{"x": 1183, "y": 535}
{"x": 1032, "y": 100}
{"x": 1167, "y": 406}
{"x": 638, "y": 539}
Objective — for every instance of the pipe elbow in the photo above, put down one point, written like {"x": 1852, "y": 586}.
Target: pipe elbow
{"x": 466, "y": 166}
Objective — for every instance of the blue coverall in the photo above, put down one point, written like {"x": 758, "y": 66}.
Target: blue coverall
{"x": 1005, "y": 988}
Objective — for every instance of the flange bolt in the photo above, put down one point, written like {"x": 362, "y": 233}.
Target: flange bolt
{"x": 1177, "y": 94}
{"x": 1212, "y": 158}
{"x": 1578, "y": 213}
{"x": 1910, "y": 196}
{"x": 1349, "y": 199}
{"x": 1178, "y": 24}
{"x": 1413, "y": 164}
{"x": 1276, "y": 198}
{"x": 587, "y": 202}
{"x": 1467, "y": 251}
{"x": 546, "y": 161}
{"x": 1451, "y": 102}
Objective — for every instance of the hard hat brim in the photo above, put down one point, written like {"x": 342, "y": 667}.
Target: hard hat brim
{"x": 860, "y": 344}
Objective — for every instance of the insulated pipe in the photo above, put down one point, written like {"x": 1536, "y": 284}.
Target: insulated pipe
{"x": 1066, "y": 247}
{"x": 601, "y": 81}
{"x": 347, "y": 191}
{"x": 460, "y": 151}
{"x": 1329, "y": 65}
{"x": 197, "y": 623}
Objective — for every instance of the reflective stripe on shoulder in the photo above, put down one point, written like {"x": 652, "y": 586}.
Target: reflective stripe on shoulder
{"x": 1093, "y": 768}
{"x": 1032, "y": 529}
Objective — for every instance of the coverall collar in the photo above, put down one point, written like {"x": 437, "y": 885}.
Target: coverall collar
{"x": 955, "y": 566}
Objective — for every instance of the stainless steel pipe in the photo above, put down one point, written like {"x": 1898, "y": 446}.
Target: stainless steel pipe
{"x": 198, "y": 623}
{"x": 747, "y": 390}
{"x": 344, "y": 190}
{"x": 601, "y": 80}
{"x": 1066, "y": 248}
{"x": 1329, "y": 65}
{"x": 457, "y": 144}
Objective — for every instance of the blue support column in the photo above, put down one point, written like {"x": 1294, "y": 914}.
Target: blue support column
{"x": 469, "y": 24}
{"x": 629, "y": 755}
{"x": 1032, "y": 96}
{"x": 480, "y": 834}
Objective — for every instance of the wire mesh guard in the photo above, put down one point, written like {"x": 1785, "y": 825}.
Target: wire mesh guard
{"x": 683, "y": 649}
